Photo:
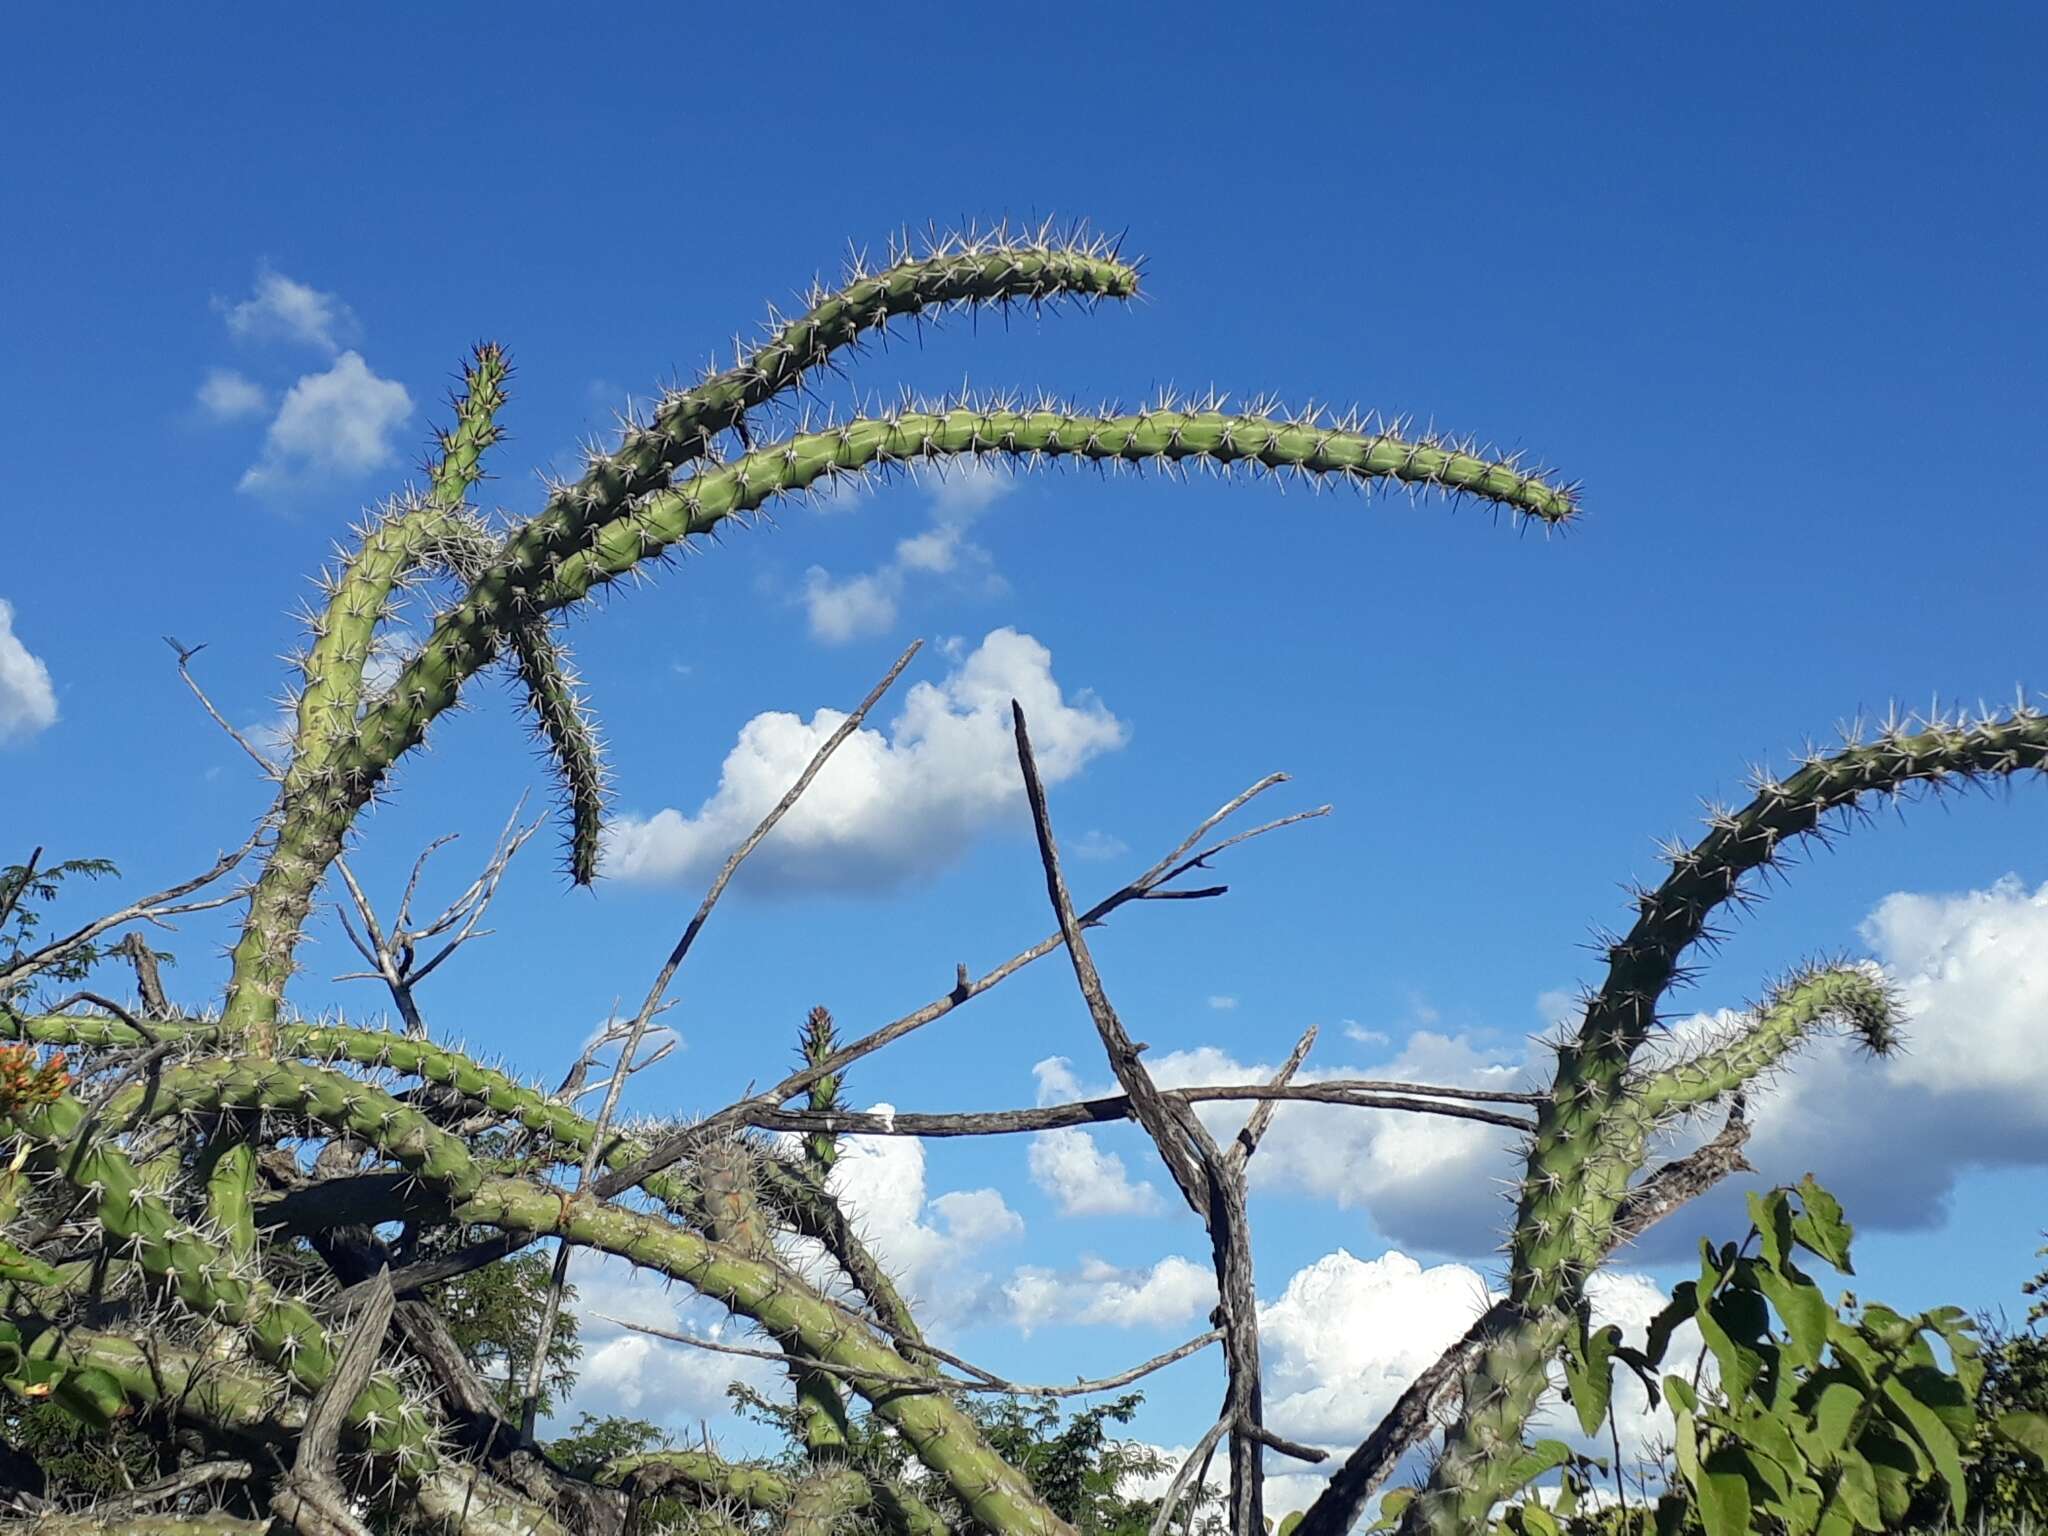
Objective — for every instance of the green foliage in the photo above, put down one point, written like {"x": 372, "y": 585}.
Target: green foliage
{"x": 26, "y": 888}
{"x": 494, "y": 1314}
{"x": 1826, "y": 1419}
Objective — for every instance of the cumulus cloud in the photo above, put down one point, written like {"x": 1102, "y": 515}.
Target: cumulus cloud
{"x": 1348, "y": 1336}
{"x": 642, "y": 1377}
{"x": 226, "y": 395}
{"x": 28, "y": 703}
{"x": 1424, "y": 1180}
{"x": 889, "y": 807}
{"x": 1070, "y": 1166}
{"x": 1174, "y": 1291}
{"x": 339, "y": 422}
{"x": 1970, "y": 1090}
{"x": 854, "y": 607}
{"x": 282, "y": 309}
{"x": 930, "y": 1245}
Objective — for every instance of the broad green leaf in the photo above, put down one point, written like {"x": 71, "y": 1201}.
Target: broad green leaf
{"x": 1723, "y": 1492}
{"x": 1931, "y": 1432}
{"x": 1535, "y": 1461}
{"x": 1739, "y": 1362}
{"x": 1392, "y": 1503}
{"x": 1803, "y": 1309}
{"x": 1856, "y": 1492}
{"x": 1289, "y": 1522}
{"x": 1589, "y": 1373}
{"x": 1772, "y": 1216}
{"x": 1536, "y": 1519}
{"x": 1899, "y": 1466}
{"x": 1834, "y": 1412}
{"x": 1685, "y": 1297}
{"x": 1820, "y": 1226}
{"x": 2024, "y": 1431}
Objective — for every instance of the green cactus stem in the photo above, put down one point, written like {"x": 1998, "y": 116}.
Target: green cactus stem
{"x": 1591, "y": 1130}
{"x": 286, "y": 1333}
{"x": 321, "y": 800}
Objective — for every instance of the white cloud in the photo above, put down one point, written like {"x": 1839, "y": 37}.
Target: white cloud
{"x": 1348, "y": 1336}
{"x": 866, "y": 604}
{"x": 226, "y": 395}
{"x": 1097, "y": 845}
{"x": 1891, "y": 1137}
{"x": 335, "y": 423}
{"x": 282, "y": 309}
{"x": 1172, "y": 1292}
{"x": 887, "y": 808}
{"x": 1070, "y": 1166}
{"x": 853, "y": 609}
{"x": 1057, "y": 1081}
{"x": 1222, "y": 1003}
{"x": 927, "y": 1244}
{"x": 28, "y": 703}
{"x": 643, "y": 1377}
{"x": 1424, "y": 1179}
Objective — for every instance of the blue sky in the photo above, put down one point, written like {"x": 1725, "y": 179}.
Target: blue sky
{"x": 1762, "y": 282}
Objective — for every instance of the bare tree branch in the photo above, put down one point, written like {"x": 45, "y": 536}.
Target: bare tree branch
{"x": 987, "y": 1381}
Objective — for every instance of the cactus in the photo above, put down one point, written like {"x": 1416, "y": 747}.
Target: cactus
{"x": 628, "y": 508}
{"x": 150, "y": 1261}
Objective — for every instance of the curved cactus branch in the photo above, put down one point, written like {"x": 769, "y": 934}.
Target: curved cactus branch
{"x": 322, "y": 800}
{"x": 469, "y": 635}
{"x": 286, "y": 1333}
{"x": 1590, "y": 1134}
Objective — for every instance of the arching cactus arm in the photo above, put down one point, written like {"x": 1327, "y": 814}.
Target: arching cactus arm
{"x": 1590, "y": 1134}
{"x": 331, "y": 694}
{"x": 1854, "y": 996}
{"x": 470, "y": 635}
{"x": 944, "y": 1438}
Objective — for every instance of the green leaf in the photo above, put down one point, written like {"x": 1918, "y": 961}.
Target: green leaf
{"x": 1535, "y": 1461}
{"x": 1803, "y": 1308}
{"x": 1392, "y": 1502}
{"x": 1289, "y": 1522}
{"x": 1856, "y": 1492}
{"x": 1723, "y": 1491}
{"x": 1724, "y": 1323}
{"x": 90, "y": 1395}
{"x": 1685, "y": 1300}
{"x": 1834, "y": 1412}
{"x": 1820, "y": 1226}
{"x": 1772, "y": 1216}
{"x": 1536, "y": 1519}
{"x": 1929, "y": 1429}
{"x": 1589, "y": 1373}
{"x": 2024, "y": 1431}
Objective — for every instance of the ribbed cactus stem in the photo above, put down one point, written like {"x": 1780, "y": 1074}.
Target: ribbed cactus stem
{"x": 1592, "y": 1128}
{"x": 210, "y": 1280}
{"x": 406, "y": 1055}
{"x": 323, "y": 795}
{"x": 763, "y": 1289}
{"x": 820, "y": 1040}
{"x": 313, "y": 813}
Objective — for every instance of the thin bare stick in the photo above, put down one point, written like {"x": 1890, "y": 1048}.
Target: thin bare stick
{"x": 1254, "y": 1131}
{"x": 672, "y": 1150}
{"x": 987, "y": 1382}
{"x": 552, "y": 1310}
{"x": 1213, "y": 1185}
{"x": 185, "y": 654}
{"x": 165, "y": 903}
{"x": 1112, "y": 1108}
{"x": 1197, "y": 1459}
{"x": 22, "y": 882}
